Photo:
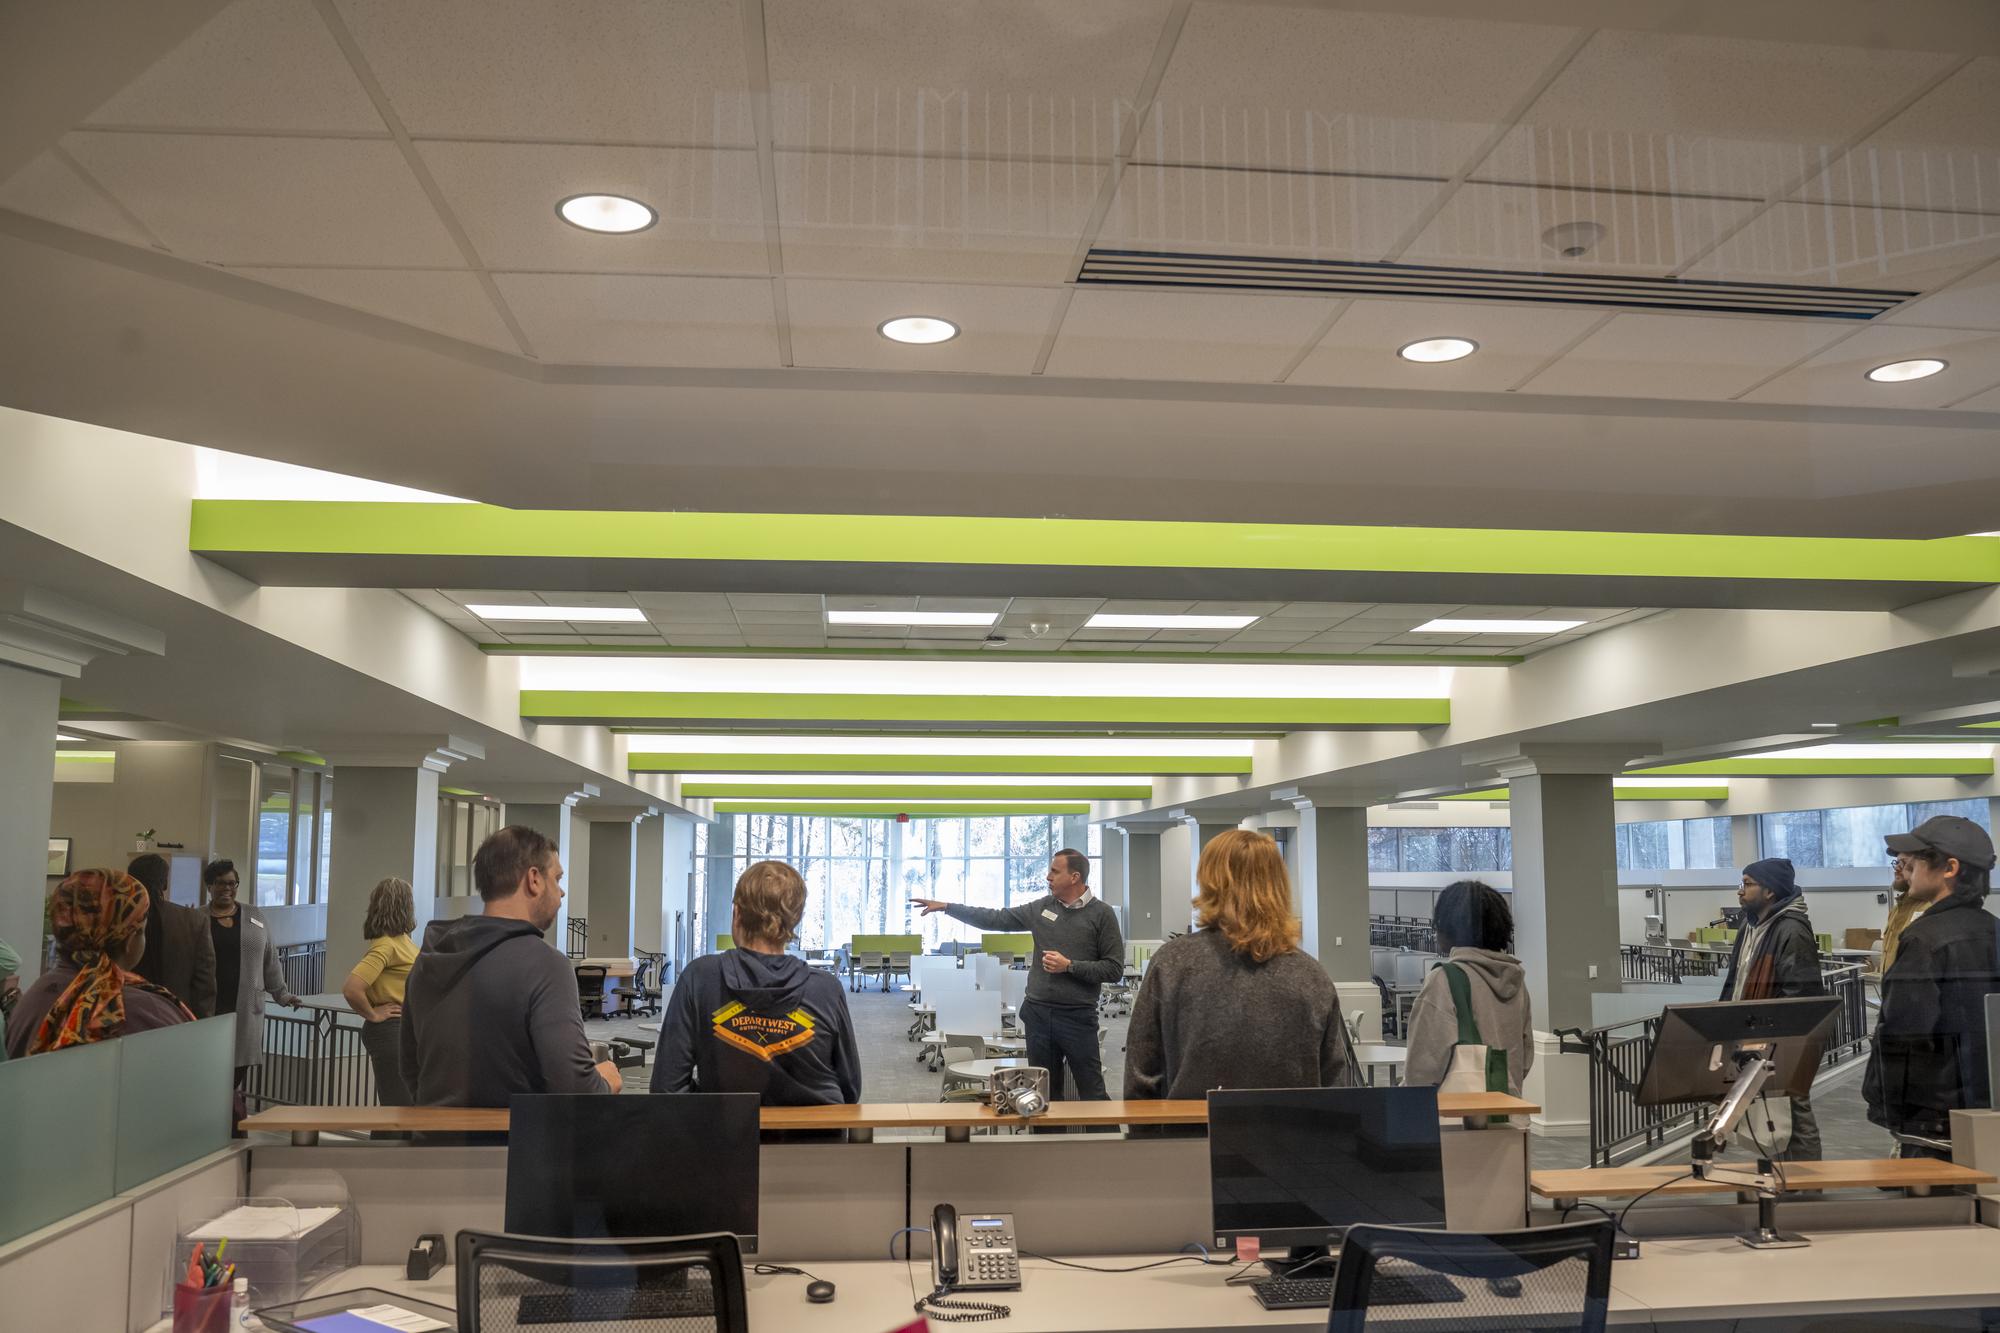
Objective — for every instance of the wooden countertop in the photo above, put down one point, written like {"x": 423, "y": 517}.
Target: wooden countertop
{"x": 1884, "y": 1173}
{"x": 868, "y": 1115}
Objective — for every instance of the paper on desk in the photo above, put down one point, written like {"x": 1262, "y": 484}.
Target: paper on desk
{"x": 252, "y": 1223}
{"x": 373, "y": 1319}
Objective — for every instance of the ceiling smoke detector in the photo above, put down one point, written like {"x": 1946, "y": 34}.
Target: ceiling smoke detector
{"x": 1038, "y": 629}
{"x": 1573, "y": 240}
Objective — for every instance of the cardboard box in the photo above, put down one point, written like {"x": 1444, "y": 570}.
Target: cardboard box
{"x": 1860, "y": 937}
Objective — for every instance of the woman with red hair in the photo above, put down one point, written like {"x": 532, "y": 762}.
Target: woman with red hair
{"x": 98, "y": 918}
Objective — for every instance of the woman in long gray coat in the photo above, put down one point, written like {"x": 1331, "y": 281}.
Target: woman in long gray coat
{"x": 246, "y": 963}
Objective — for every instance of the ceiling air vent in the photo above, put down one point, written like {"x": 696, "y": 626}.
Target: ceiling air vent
{"x": 1137, "y": 268}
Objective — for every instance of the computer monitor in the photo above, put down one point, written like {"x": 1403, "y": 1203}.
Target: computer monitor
{"x": 596, "y": 1167}
{"x": 1700, "y": 1048}
{"x": 1298, "y": 1166}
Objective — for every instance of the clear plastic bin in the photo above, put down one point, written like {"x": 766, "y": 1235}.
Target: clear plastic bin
{"x": 282, "y": 1246}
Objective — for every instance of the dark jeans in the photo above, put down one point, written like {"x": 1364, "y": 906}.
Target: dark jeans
{"x": 1923, "y": 1150}
{"x": 1059, "y": 1034}
{"x": 383, "y": 1041}
{"x": 1805, "y": 1144}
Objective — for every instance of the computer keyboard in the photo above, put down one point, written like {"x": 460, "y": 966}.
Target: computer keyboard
{"x": 1316, "y": 1293}
{"x": 604, "y": 1304}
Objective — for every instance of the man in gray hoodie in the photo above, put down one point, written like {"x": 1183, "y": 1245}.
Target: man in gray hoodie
{"x": 1476, "y": 929}
{"x": 490, "y": 1008}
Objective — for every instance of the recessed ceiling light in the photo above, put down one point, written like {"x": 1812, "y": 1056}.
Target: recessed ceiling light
{"x": 1898, "y": 372}
{"x": 1449, "y": 626}
{"x": 62, "y": 736}
{"x": 612, "y": 213}
{"x": 933, "y": 618}
{"x": 1429, "y": 350}
{"x": 918, "y": 329}
{"x": 1117, "y": 621}
{"x": 604, "y": 615}
{"x": 1826, "y": 726}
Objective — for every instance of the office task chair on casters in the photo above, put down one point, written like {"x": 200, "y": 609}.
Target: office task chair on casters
{"x": 1544, "y": 1278}
{"x": 590, "y": 991}
{"x": 692, "y": 1284}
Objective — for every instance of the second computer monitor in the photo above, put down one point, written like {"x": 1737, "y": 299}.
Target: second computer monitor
{"x": 593, "y": 1167}
{"x": 1299, "y": 1166}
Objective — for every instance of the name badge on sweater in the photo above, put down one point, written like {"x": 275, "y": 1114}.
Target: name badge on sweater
{"x": 1046, "y": 912}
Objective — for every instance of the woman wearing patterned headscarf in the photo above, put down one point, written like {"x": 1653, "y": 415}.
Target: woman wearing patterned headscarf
{"x": 98, "y": 918}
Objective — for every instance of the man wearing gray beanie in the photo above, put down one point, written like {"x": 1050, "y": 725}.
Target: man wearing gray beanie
{"x": 1777, "y": 957}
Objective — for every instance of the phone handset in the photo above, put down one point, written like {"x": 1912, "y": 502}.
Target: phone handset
{"x": 980, "y": 1256}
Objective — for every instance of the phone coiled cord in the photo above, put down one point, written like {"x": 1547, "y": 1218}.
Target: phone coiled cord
{"x": 935, "y": 1306}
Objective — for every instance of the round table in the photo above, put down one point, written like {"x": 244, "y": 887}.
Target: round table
{"x": 1371, "y": 1055}
{"x": 983, "y": 1068}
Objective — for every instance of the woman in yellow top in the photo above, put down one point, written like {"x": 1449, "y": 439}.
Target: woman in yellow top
{"x": 374, "y": 989}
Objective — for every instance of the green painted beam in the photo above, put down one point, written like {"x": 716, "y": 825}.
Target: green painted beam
{"x": 890, "y": 809}
{"x": 1088, "y": 710}
{"x": 371, "y": 528}
{"x": 816, "y": 733}
{"x": 1012, "y": 655}
{"x": 1822, "y": 768}
{"x": 969, "y": 764}
{"x": 1617, "y": 793}
{"x": 915, "y": 792}
{"x": 86, "y": 756}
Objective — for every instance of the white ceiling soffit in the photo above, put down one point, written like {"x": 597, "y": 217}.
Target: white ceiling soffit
{"x": 294, "y": 181}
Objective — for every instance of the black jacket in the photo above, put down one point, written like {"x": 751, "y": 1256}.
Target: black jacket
{"x": 1930, "y": 1046}
{"x": 763, "y": 1023}
{"x": 1791, "y": 950}
{"x": 490, "y": 1010}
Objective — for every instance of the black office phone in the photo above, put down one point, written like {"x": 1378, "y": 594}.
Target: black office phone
{"x": 976, "y": 1252}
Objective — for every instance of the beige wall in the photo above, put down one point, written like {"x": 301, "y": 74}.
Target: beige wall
{"x": 161, "y": 785}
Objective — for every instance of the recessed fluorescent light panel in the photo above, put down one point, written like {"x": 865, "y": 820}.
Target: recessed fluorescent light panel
{"x": 938, "y": 619}
{"x": 62, "y": 736}
{"x": 1450, "y": 626}
{"x": 920, "y": 330}
{"x": 1432, "y": 350}
{"x": 612, "y": 214}
{"x": 1114, "y": 620}
{"x": 1899, "y": 372}
{"x": 579, "y": 615}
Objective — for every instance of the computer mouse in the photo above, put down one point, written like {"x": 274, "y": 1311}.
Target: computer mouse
{"x": 1504, "y": 1286}
{"x": 819, "y": 1293}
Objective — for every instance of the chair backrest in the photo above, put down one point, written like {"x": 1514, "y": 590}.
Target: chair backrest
{"x": 1542, "y": 1277}
{"x": 962, "y": 1046}
{"x": 969, "y": 1011}
{"x": 1013, "y": 987}
{"x": 987, "y": 969}
{"x": 511, "y": 1282}
{"x": 590, "y": 980}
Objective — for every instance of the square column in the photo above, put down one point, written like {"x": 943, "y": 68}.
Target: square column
{"x": 1330, "y": 887}
{"x": 1565, "y": 896}
{"x": 718, "y": 888}
{"x": 649, "y": 894}
{"x": 384, "y": 824}
{"x": 1177, "y": 913}
{"x": 1076, "y": 832}
{"x": 552, "y": 813}
{"x": 1108, "y": 877}
{"x": 613, "y": 883}
{"x": 1142, "y": 883}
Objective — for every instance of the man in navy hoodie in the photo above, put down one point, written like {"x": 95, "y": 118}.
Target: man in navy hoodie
{"x": 756, "y": 1019}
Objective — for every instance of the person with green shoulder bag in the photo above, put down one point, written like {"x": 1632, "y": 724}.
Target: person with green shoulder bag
{"x": 1471, "y": 1029}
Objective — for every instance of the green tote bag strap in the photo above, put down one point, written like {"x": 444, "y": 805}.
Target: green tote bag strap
{"x": 1468, "y": 1027}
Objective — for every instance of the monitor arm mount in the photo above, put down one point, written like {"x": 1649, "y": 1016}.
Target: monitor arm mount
{"x": 1754, "y": 1069}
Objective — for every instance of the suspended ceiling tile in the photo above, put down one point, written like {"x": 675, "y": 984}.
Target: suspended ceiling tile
{"x": 1083, "y": 606}
{"x": 1943, "y": 152}
{"x": 1449, "y": 640}
{"x": 1172, "y": 646}
{"x": 958, "y": 76}
{"x": 451, "y": 303}
{"x": 608, "y": 640}
{"x": 1145, "y": 606}
{"x": 844, "y": 215}
{"x": 1192, "y": 635}
{"x": 1683, "y": 356}
{"x": 1057, "y": 621}
{"x": 1296, "y": 88}
{"x": 1856, "y": 247}
{"x": 1190, "y": 210}
{"x": 871, "y": 602}
{"x": 1661, "y": 111}
{"x": 1360, "y": 348}
{"x": 1089, "y": 645}
{"x": 1278, "y": 633}
{"x": 836, "y": 323}
{"x": 1984, "y": 402}
{"x": 644, "y": 321}
{"x": 705, "y": 623}
{"x": 556, "y": 640}
{"x": 1183, "y": 335}
{"x": 1503, "y": 226}
{"x": 620, "y": 599}
{"x": 948, "y": 603}
{"x": 710, "y": 212}
{"x": 1101, "y": 635}
{"x": 1352, "y": 638}
{"x": 1971, "y": 302}
{"x": 765, "y": 616}
{"x": 775, "y": 601}
{"x": 49, "y": 189}
{"x": 780, "y": 636}
{"x": 1589, "y": 612}
{"x": 1838, "y": 376}
{"x": 491, "y": 596}
{"x": 235, "y": 200}
{"x": 682, "y": 601}
{"x": 257, "y": 65}
{"x": 679, "y": 640}
{"x": 1235, "y": 608}
{"x": 1319, "y": 610}
{"x": 433, "y": 601}
{"x": 1413, "y": 610}
{"x": 1497, "y": 612}
{"x": 625, "y": 71}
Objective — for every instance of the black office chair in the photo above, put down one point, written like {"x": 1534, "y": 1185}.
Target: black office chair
{"x": 590, "y": 991}
{"x": 690, "y": 1284}
{"x": 1543, "y": 1278}
{"x": 641, "y": 997}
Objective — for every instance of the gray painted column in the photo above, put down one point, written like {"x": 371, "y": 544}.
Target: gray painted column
{"x": 1201, "y": 832}
{"x": 1565, "y": 891}
{"x": 649, "y": 887}
{"x": 1331, "y": 889}
{"x": 1744, "y": 843}
{"x": 385, "y": 822}
{"x": 1142, "y": 884}
{"x": 1076, "y": 832}
{"x": 555, "y": 821}
{"x": 613, "y": 871}
{"x": 29, "y": 701}
{"x": 718, "y": 888}
{"x": 676, "y": 865}
{"x": 1108, "y": 876}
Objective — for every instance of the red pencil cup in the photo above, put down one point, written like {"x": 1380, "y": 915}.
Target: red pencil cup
{"x": 200, "y": 1309}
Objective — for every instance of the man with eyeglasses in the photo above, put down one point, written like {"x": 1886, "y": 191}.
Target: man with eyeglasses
{"x": 1903, "y": 909}
{"x": 1930, "y": 1043}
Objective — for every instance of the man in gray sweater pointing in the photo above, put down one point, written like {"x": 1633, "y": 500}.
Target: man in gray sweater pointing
{"x": 1077, "y": 949}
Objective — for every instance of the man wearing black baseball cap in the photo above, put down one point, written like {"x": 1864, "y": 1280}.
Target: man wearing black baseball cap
{"x": 1930, "y": 1045}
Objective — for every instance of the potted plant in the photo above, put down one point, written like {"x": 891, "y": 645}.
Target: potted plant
{"x": 144, "y": 842}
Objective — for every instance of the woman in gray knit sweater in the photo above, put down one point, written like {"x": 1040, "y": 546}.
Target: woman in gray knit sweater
{"x": 1237, "y": 1004}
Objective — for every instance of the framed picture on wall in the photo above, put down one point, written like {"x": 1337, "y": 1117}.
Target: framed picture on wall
{"x": 58, "y": 857}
